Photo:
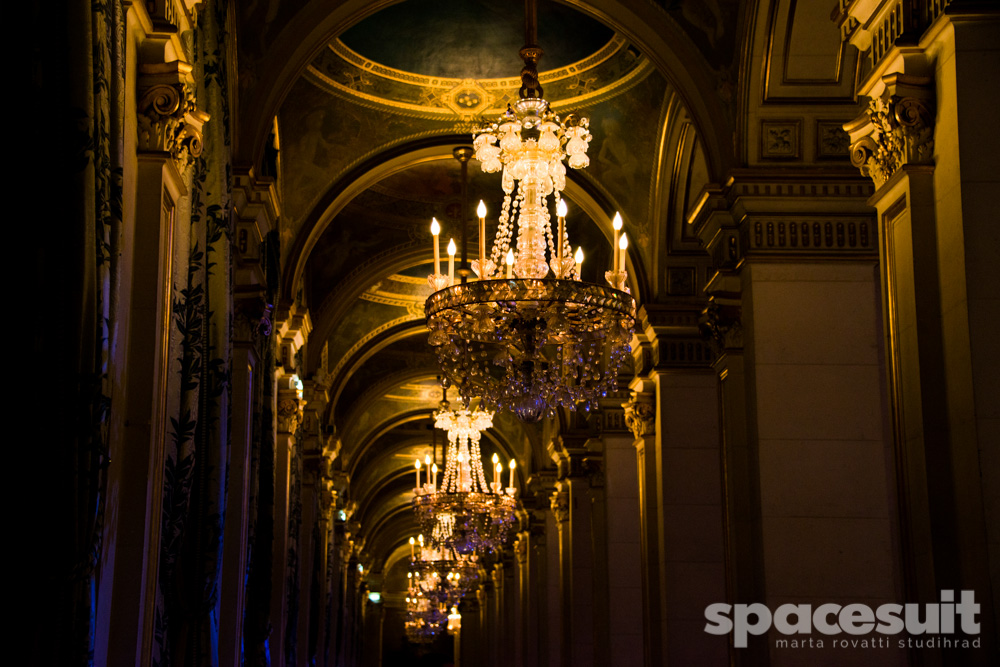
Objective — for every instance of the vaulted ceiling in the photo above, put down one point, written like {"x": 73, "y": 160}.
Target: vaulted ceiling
{"x": 364, "y": 104}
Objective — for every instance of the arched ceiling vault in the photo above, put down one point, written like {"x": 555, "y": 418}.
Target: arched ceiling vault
{"x": 275, "y": 45}
{"x": 368, "y": 124}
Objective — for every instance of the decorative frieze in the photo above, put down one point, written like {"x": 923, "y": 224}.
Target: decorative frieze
{"x": 896, "y": 129}
{"x": 808, "y": 235}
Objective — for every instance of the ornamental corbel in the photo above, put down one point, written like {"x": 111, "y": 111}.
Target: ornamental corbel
{"x": 169, "y": 119}
{"x": 896, "y": 129}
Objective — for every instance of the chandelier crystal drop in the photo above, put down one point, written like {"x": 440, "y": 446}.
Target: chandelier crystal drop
{"x": 529, "y": 335}
{"x": 465, "y": 514}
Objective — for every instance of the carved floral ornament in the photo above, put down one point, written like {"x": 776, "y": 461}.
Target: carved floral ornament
{"x": 894, "y": 130}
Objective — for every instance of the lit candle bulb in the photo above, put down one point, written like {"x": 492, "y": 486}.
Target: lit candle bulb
{"x": 481, "y": 212}
{"x": 513, "y": 464}
{"x": 623, "y": 246}
{"x": 561, "y": 214}
{"x": 498, "y": 478}
{"x": 412, "y": 551}
{"x": 496, "y": 466}
{"x": 434, "y": 477}
{"x": 617, "y": 224}
{"x": 510, "y": 264}
{"x": 435, "y": 230}
{"x": 579, "y": 262}
{"x": 451, "y": 261}
{"x": 418, "y": 473}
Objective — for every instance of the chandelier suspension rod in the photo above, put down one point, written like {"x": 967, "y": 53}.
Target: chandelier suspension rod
{"x": 463, "y": 154}
{"x": 531, "y": 53}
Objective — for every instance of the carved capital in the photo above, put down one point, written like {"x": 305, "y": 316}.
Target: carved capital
{"x": 896, "y": 129}
{"x": 521, "y": 548}
{"x": 251, "y": 319}
{"x": 169, "y": 119}
{"x": 640, "y": 415}
{"x": 289, "y": 415}
{"x": 721, "y": 323}
{"x": 559, "y": 502}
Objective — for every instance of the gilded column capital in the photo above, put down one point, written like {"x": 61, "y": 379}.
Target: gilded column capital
{"x": 251, "y": 319}
{"x": 169, "y": 119}
{"x": 896, "y": 129}
{"x": 559, "y": 502}
{"x": 721, "y": 322}
{"x": 521, "y": 547}
{"x": 640, "y": 414}
{"x": 289, "y": 415}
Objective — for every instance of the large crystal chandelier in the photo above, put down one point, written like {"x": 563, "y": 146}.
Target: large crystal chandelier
{"x": 465, "y": 513}
{"x": 529, "y": 335}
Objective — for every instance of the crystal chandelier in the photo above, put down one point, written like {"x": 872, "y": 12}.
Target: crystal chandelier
{"x": 531, "y": 336}
{"x": 465, "y": 514}
{"x": 440, "y": 573}
{"x": 425, "y": 617}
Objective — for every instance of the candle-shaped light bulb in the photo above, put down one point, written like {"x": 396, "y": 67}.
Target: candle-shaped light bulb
{"x": 434, "y": 476}
{"x": 412, "y": 542}
{"x": 427, "y": 460}
{"x": 417, "y": 465}
{"x": 513, "y": 464}
{"x": 561, "y": 208}
{"x": 623, "y": 246}
{"x": 451, "y": 260}
{"x": 435, "y": 230}
{"x": 420, "y": 538}
{"x": 481, "y": 212}
{"x": 496, "y": 458}
{"x": 510, "y": 264}
{"x": 579, "y": 262}
{"x": 617, "y": 224}
{"x": 499, "y": 471}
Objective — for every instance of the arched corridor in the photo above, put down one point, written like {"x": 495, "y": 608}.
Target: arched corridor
{"x": 234, "y": 351}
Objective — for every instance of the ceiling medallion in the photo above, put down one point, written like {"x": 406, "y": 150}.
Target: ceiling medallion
{"x": 465, "y": 514}
{"x": 530, "y": 336}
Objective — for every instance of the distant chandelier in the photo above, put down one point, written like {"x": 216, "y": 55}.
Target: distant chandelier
{"x": 425, "y": 617}
{"x": 465, "y": 514}
{"x": 440, "y": 573}
{"x": 520, "y": 339}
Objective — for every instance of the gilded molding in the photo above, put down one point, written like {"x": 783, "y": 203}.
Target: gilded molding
{"x": 894, "y": 130}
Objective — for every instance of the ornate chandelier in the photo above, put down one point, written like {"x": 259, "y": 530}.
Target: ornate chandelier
{"x": 465, "y": 514}
{"x": 518, "y": 338}
{"x": 440, "y": 573}
{"x": 425, "y": 617}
